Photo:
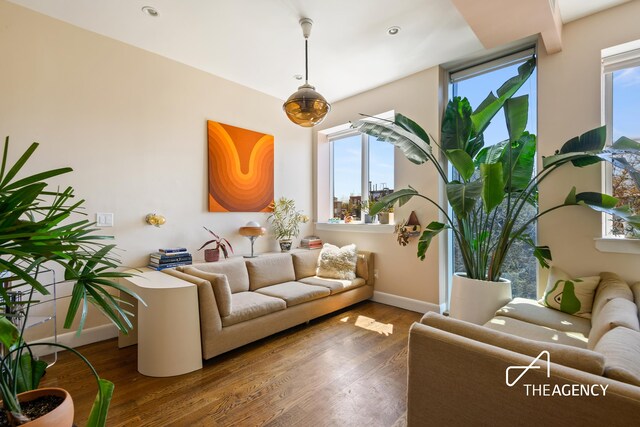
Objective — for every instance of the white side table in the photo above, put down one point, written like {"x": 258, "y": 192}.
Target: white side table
{"x": 168, "y": 328}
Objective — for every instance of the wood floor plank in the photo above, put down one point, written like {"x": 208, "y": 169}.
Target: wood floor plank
{"x": 344, "y": 369}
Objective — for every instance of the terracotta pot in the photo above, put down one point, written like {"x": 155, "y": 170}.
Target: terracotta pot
{"x": 211, "y": 255}
{"x": 62, "y": 416}
{"x": 285, "y": 245}
{"x": 476, "y": 301}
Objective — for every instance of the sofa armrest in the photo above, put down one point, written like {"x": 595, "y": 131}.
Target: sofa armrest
{"x": 453, "y": 380}
{"x": 365, "y": 267}
{"x": 210, "y": 321}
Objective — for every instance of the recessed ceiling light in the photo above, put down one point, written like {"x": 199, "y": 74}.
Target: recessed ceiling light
{"x": 151, "y": 11}
{"x": 392, "y": 31}
{"x": 297, "y": 76}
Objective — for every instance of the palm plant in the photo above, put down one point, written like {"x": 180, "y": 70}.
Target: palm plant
{"x": 38, "y": 226}
{"x": 494, "y": 183}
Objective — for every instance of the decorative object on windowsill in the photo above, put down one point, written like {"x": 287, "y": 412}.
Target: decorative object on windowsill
{"x": 385, "y": 216}
{"x": 348, "y": 219}
{"x": 285, "y": 222}
{"x": 155, "y": 219}
{"x": 169, "y": 258}
{"x": 368, "y": 218}
{"x": 311, "y": 242}
{"x": 306, "y": 107}
{"x": 408, "y": 229}
{"x": 213, "y": 254}
{"x": 33, "y": 211}
{"x": 252, "y": 231}
{"x": 495, "y": 182}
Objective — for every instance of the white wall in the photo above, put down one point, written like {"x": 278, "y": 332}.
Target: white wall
{"x": 132, "y": 125}
{"x": 569, "y": 103}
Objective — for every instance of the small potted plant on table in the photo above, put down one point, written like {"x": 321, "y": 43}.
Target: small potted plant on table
{"x": 221, "y": 244}
{"x": 285, "y": 222}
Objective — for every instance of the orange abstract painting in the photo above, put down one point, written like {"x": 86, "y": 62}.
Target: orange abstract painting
{"x": 240, "y": 169}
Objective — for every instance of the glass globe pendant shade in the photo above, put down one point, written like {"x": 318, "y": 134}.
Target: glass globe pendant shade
{"x": 306, "y": 107}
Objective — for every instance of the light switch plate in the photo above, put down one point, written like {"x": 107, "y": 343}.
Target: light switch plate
{"x": 104, "y": 219}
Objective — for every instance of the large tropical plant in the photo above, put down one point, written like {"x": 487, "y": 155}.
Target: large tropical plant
{"x": 492, "y": 184}
{"x": 38, "y": 227}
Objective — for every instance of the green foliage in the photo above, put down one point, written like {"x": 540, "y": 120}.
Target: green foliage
{"x": 495, "y": 195}
{"x": 38, "y": 226}
{"x": 285, "y": 219}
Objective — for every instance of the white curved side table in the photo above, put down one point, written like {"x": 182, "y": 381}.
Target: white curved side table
{"x": 168, "y": 327}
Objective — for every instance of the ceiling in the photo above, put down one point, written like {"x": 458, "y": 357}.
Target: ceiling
{"x": 259, "y": 43}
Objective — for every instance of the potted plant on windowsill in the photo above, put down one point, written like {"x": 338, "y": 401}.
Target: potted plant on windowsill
{"x": 38, "y": 226}
{"x": 493, "y": 186}
{"x": 221, "y": 244}
{"x": 285, "y": 222}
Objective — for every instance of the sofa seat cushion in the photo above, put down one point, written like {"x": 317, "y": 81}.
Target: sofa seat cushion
{"x": 573, "y": 357}
{"x": 305, "y": 262}
{"x": 523, "y": 329}
{"x": 269, "y": 270}
{"x": 531, "y": 311}
{"x": 621, "y": 350}
{"x": 334, "y": 285}
{"x": 294, "y": 293}
{"x": 235, "y": 270}
{"x": 250, "y": 305}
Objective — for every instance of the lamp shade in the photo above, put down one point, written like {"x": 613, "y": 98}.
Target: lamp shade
{"x": 306, "y": 107}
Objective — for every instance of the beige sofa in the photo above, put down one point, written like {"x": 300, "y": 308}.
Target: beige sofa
{"x": 458, "y": 371}
{"x": 242, "y": 300}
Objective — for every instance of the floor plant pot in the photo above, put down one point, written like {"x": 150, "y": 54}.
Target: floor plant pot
{"x": 61, "y": 416}
{"x": 211, "y": 255}
{"x": 476, "y": 301}
{"x": 285, "y": 245}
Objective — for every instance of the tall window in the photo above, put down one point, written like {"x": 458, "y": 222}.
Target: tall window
{"x": 475, "y": 83}
{"x": 361, "y": 171}
{"x": 622, "y": 117}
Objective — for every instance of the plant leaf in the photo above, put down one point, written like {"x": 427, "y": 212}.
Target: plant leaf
{"x": 463, "y": 196}
{"x": 492, "y": 185}
{"x": 427, "y": 236}
{"x": 8, "y": 332}
{"x": 462, "y": 162}
{"x": 410, "y": 126}
{"x": 518, "y": 163}
{"x": 413, "y": 147}
{"x": 401, "y": 197}
{"x": 627, "y": 145}
{"x": 456, "y": 125}
{"x": 100, "y": 408}
{"x": 516, "y": 113}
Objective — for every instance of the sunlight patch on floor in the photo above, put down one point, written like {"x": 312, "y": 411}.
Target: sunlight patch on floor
{"x": 370, "y": 324}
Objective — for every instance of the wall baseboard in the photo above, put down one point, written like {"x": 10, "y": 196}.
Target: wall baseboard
{"x": 406, "y": 303}
{"x": 71, "y": 339}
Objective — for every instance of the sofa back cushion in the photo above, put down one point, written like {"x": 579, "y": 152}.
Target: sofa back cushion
{"x": 305, "y": 263}
{"x": 617, "y": 312}
{"x": 220, "y": 286}
{"x": 611, "y": 286}
{"x": 635, "y": 288}
{"x": 573, "y": 357}
{"x": 270, "y": 270}
{"x": 621, "y": 350}
{"x": 569, "y": 295}
{"x": 233, "y": 268}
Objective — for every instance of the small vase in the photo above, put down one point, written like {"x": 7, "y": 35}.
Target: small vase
{"x": 211, "y": 255}
{"x": 285, "y": 245}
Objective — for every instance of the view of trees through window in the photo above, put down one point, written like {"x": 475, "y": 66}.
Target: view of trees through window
{"x": 625, "y": 94}
{"x": 520, "y": 265}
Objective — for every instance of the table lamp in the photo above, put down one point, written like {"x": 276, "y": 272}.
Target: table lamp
{"x": 252, "y": 231}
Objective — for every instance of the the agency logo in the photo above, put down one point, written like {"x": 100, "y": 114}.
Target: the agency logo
{"x": 547, "y": 389}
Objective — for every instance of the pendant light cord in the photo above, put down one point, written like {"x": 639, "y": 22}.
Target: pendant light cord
{"x": 306, "y": 61}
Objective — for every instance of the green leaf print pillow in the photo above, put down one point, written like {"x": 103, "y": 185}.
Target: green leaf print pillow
{"x": 572, "y": 296}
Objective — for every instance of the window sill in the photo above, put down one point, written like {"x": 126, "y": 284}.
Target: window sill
{"x": 356, "y": 228}
{"x": 618, "y": 245}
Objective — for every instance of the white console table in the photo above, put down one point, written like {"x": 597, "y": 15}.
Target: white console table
{"x": 168, "y": 327}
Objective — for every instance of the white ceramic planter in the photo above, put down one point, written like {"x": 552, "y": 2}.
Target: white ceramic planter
{"x": 476, "y": 301}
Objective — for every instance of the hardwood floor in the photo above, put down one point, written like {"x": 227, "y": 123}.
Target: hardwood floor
{"x": 344, "y": 369}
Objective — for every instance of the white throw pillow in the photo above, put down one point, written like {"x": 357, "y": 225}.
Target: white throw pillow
{"x": 571, "y": 296}
{"x": 337, "y": 263}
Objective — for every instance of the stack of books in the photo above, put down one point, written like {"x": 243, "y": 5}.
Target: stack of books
{"x": 311, "y": 242}
{"x": 169, "y": 257}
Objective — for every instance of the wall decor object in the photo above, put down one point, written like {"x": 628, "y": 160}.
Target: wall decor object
{"x": 240, "y": 169}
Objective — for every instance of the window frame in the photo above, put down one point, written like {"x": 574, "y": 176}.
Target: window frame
{"x": 341, "y": 132}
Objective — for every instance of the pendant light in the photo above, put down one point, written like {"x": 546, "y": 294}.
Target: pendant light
{"x": 306, "y": 107}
